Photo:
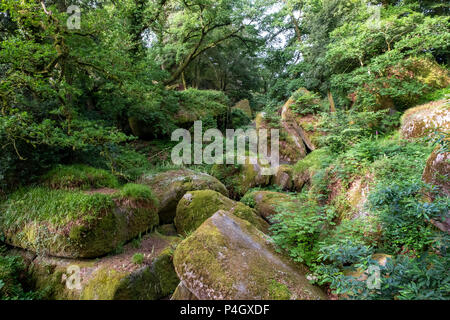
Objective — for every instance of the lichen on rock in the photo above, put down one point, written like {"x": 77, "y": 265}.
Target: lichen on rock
{"x": 234, "y": 260}
{"x": 74, "y": 224}
{"x": 197, "y": 206}
{"x": 113, "y": 277}
{"x": 169, "y": 187}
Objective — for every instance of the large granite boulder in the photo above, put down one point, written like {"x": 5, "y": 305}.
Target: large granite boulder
{"x": 423, "y": 120}
{"x": 267, "y": 203}
{"x": 241, "y": 178}
{"x": 228, "y": 258}
{"x": 244, "y": 106}
{"x": 169, "y": 187}
{"x": 115, "y": 277}
{"x": 77, "y": 224}
{"x": 197, "y": 206}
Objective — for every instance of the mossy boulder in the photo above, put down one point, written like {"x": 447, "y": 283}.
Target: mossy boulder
{"x": 267, "y": 203}
{"x": 78, "y": 176}
{"x": 114, "y": 277}
{"x": 244, "y": 106}
{"x": 423, "y": 120}
{"x": 284, "y": 177}
{"x": 241, "y": 178}
{"x": 183, "y": 293}
{"x": 169, "y": 187}
{"x": 291, "y": 146}
{"x": 228, "y": 258}
{"x": 76, "y": 224}
{"x": 197, "y": 206}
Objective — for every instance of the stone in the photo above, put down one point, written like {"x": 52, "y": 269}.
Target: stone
{"x": 197, "y": 206}
{"x": 228, "y": 258}
{"x": 169, "y": 187}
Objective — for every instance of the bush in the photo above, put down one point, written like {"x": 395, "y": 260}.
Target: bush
{"x": 11, "y": 270}
{"x": 297, "y": 228}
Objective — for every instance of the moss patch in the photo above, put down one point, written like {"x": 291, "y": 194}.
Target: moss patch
{"x": 169, "y": 187}
{"x": 73, "y": 223}
{"x": 197, "y": 206}
{"x": 234, "y": 260}
{"x": 79, "y": 177}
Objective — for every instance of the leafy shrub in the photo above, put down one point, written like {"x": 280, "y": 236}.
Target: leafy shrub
{"x": 306, "y": 103}
{"x": 11, "y": 270}
{"x": 239, "y": 119}
{"x": 343, "y": 129}
{"x": 297, "y": 228}
{"x": 405, "y": 216}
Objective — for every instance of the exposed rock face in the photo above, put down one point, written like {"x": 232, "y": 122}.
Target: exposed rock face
{"x": 239, "y": 179}
{"x": 114, "y": 277}
{"x": 183, "y": 293}
{"x": 170, "y": 187}
{"x": 197, "y": 206}
{"x": 244, "y": 106}
{"x": 267, "y": 202}
{"x": 421, "y": 121}
{"x": 93, "y": 232}
{"x": 437, "y": 170}
{"x": 234, "y": 260}
{"x": 284, "y": 177}
{"x": 437, "y": 173}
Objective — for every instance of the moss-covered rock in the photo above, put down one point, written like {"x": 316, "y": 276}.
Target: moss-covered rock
{"x": 244, "y": 106}
{"x": 228, "y": 258}
{"x": 267, "y": 203}
{"x": 197, "y": 206}
{"x": 114, "y": 277}
{"x": 79, "y": 177}
{"x": 183, "y": 293}
{"x": 241, "y": 178}
{"x": 423, "y": 120}
{"x": 169, "y": 187}
{"x": 284, "y": 177}
{"x": 291, "y": 146}
{"x": 76, "y": 224}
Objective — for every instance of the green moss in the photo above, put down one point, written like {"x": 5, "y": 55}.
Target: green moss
{"x": 138, "y": 258}
{"x": 207, "y": 266}
{"x": 313, "y": 161}
{"x": 79, "y": 177}
{"x": 73, "y": 223}
{"x": 165, "y": 272}
{"x": 57, "y": 207}
{"x": 103, "y": 285}
{"x": 279, "y": 291}
{"x": 197, "y": 206}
